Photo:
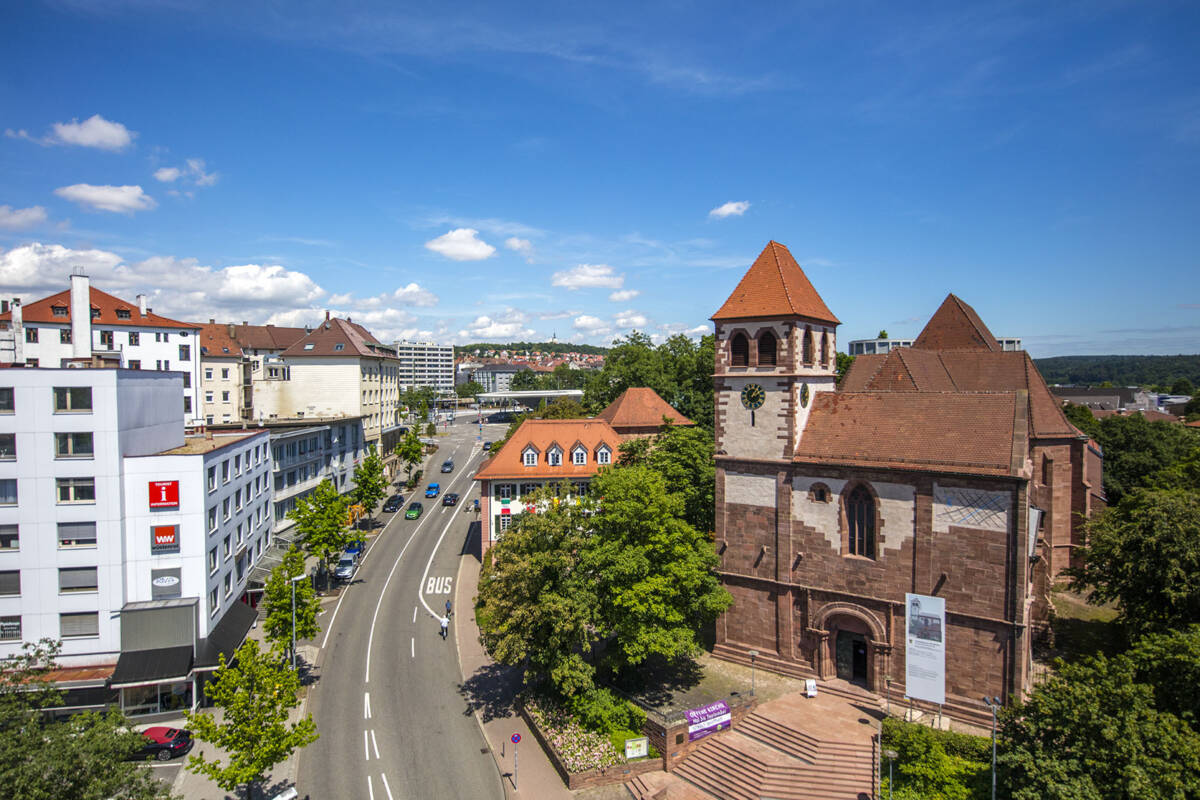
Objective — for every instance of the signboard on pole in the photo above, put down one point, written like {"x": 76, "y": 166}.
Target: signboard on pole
{"x": 925, "y": 648}
{"x": 709, "y": 719}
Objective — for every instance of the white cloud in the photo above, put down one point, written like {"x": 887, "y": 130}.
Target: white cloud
{"x": 42, "y": 268}
{"x": 15, "y": 219}
{"x": 629, "y": 319}
{"x": 414, "y": 295}
{"x": 557, "y": 314}
{"x": 510, "y": 325}
{"x": 730, "y": 209}
{"x": 623, "y": 295}
{"x": 167, "y": 174}
{"x": 202, "y": 178}
{"x": 119, "y": 199}
{"x": 588, "y": 276}
{"x": 699, "y": 330}
{"x": 461, "y": 244}
{"x": 592, "y": 326}
{"x": 266, "y": 284}
{"x": 193, "y": 172}
{"x": 522, "y": 246}
{"x": 95, "y": 131}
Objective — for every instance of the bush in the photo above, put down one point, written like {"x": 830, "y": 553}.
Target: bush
{"x": 619, "y": 736}
{"x": 937, "y": 765}
{"x": 602, "y": 711}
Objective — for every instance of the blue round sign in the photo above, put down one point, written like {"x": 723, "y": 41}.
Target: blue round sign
{"x": 516, "y": 737}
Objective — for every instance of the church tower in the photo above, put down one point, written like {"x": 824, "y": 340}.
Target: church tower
{"x": 775, "y": 349}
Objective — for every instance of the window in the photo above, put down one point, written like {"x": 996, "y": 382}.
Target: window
{"x": 819, "y": 493}
{"x": 237, "y": 465}
{"x": 185, "y": 352}
{"x": 10, "y": 629}
{"x": 579, "y": 456}
{"x": 123, "y": 313}
{"x": 807, "y": 348}
{"x": 860, "y": 522}
{"x": 187, "y": 380}
{"x": 86, "y": 623}
{"x": 64, "y": 336}
{"x": 95, "y": 313}
{"x": 768, "y": 346}
{"x": 76, "y": 490}
{"x": 77, "y": 579}
{"x": 208, "y": 373}
{"x": 212, "y": 478}
{"x": 581, "y": 489}
{"x": 135, "y": 338}
{"x": 237, "y": 499}
{"x": 32, "y": 363}
{"x": 228, "y": 583}
{"x": 8, "y": 447}
{"x": 225, "y": 373}
{"x": 505, "y": 491}
{"x": 554, "y": 457}
{"x": 225, "y": 471}
{"x": 213, "y": 602}
{"x": 10, "y": 582}
{"x": 529, "y": 458}
{"x": 529, "y": 488}
{"x": 72, "y": 399}
{"x": 212, "y": 519}
{"x": 74, "y": 445}
{"x": 825, "y": 348}
{"x": 135, "y": 363}
{"x": 58, "y": 311}
{"x": 225, "y": 508}
{"x": 31, "y": 335}
{"x": 603, "y": 456}
{"x": 76, "y": 534}
{"x": 226, "y": 551}
{"x": 208, "y": 397}
{"x": 10, "y": 537}
{"x": 739, "y": 351}
{"x": 106, "y": 339}
{"x": 7, "y": 404}
{"x": 8, "y": 492}
{"x": 505, "y": 522}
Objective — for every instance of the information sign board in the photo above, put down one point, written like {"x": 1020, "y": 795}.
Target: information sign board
{"x": 925, "y": 648}
{"x": 708, "y": 719}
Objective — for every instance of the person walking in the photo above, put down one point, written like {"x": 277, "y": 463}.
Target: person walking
{"x": 449, "y": 613}
{"x": 445, "y": 628}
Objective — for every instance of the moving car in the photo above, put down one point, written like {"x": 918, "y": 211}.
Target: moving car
{"x": 487, "y": 446}
{"x": 414, "y": 510}
{"x": 345, "y": 568}
{"x": 165, "y": 743}
{"x": 433, "y": 490}
{"x": 393, "y": 503}
{"x": 451, "y": 499}
{"x": 448, "y": 465}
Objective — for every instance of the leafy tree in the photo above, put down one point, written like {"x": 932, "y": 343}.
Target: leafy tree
{"x": 1109, "y": 728}
{"x": 524, "y": 381}
{"x": 277, "y": 600}
{"x": 322, "y": 523}
{"x": 841, "y": 365}
{"x": 1144, "y": 553}
{"x": 1182, "y": 386}
{"x": 418, "y": 399}
{"x": 881, "y": 335}
{"x": 1153, "y": 371}
{"x": 369, "y": 483}
{"x": 1134, "y": 449}
{"x": 468, "y": 389}
{"x": 926, "y": 770}
{"x": 1082, "y": 417}
{"x": 1184, "y": 474}
{"x": 1192, "y": 407}
{"x": 409, "y": 451}
{"x": 431, "y": 429}
{"x": 561, "y": 408}
{"x": 255, "y": 694}
{"x": 683, "y": 456}
{"x": 87, "y": 756}
{"x": 564, "y": 377}
{"x": 631, "y": 363}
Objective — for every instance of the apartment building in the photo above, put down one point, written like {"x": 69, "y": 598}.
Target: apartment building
{"x": 305, "y": 454}
{"x": 869, "y": 347}
{"x": 425, "y": 364}
{"x": 226, "y": 377}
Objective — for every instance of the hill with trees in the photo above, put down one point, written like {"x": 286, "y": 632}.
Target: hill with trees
{"x": 1148, "y": 371}
{"x": 530, "y": 347}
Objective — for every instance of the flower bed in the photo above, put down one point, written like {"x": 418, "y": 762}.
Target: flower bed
{"x": 577, "y": 748}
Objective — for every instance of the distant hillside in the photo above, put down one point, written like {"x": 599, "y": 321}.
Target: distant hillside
{"x": 529, "y": 347}
{"x": 1119, "y": 370}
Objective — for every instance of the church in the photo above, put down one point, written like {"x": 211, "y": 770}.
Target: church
{"x": 945, "y": 469}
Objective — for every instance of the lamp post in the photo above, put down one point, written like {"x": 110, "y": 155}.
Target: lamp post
{"x": 753, "y": 655}
{"x": 294, "y": 581}
{"x": 887, "y": 680}
{"x": 890, "y": 755}
{"x": 993, "y": 703}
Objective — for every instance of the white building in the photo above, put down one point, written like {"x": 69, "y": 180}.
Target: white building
{"x": 426, "y": 364}
{"x": 859, "y": 347}
{"x": 85, "y": 324}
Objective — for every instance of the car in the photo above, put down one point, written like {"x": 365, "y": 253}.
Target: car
{"x": 345, "y": 568}
{"x": 393, "y": 503}
{"x": 414, "y": 510}
{"x": 433, "y": 490}
{"x": 355, "y": 548}
{"x": 487, "y": 446}
{"x": 451, "y": 499}
{"x": 165, "y": 743}
{"x": 447, "y": 466}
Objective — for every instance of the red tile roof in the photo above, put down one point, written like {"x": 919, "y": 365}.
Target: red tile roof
{"x": 1150, "y": 415}
{"x": 324, "y": 340}
{"x": 41, "y": 311}
{"x": 955, "y": 326}
{"x": 267, "y": 337}
{"x": 542, "y": 434}
{"x": 640, "y": 407}
{"x": 775, "y": 286}
{"x": 215, "y": 342}
{"x": 937, "y": 431}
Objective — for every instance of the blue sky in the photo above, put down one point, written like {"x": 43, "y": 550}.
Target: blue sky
{"x": 466, "y": 171}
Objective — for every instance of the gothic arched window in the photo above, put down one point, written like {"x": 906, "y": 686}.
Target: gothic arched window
{"x": 739, "y": 351}
{"x": 767, "y": 347}
{"x": 860, "y": 522}
{"x": 807, "y": 354}
{"x": 825, "y": 349}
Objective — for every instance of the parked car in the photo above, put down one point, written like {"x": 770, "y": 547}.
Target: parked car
{"x": 355, "y": 548}
{"x": 165, "y": 743}
{"x": 487, "y": 446}
{"x": 345, "y": 568}
{"x": 393, "y": 503}
{"x": 451, "y": 499}
{"x": 414, "y": 510}
{"x": 433, "y": 490}
{"x": 448, "y": 465}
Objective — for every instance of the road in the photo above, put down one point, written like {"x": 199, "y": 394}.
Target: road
{"x": 387, "y": 704}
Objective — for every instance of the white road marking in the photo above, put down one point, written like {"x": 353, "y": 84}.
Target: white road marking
{"x": 413, "y": 642}
{"x": 439, "y": 584}
{"x": 386, "y": 788}
{"x": 374, "y": 744}
{"x": 332, "y": 620}
{"x": 371, "y": 789}
{"x": 366, "y": 705}
{"x": 414, "y": 613}
{"x": 366, "y": 747}
{"x": 428, "y": 564}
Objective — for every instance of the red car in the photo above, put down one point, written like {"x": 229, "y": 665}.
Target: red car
{"x": 165, "y": 743}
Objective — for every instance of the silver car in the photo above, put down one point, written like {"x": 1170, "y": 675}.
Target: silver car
{"x": 345, "y": 568}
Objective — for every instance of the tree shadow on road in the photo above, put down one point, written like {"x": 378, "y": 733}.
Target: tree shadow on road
{"x": 491, "y": 690}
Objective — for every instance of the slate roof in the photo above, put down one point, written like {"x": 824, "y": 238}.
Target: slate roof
{"x": 542, "y": 434}
{"x": 41, "y": 311}
{"x": 775, "y": 286}
{"x": 324, "y": 340}
{"x": 640, "y": 407}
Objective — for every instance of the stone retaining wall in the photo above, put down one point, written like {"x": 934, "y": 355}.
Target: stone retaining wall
{"x": 602, "y": 776}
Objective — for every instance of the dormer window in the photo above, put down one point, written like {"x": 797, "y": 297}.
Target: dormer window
{"x": 603, "y": 456}
{"x": 123, "y": 313}
{"x": 309, "y": 346}
{"x": 529, "y": 457}
{"x": 554, "y": 457}
{"x": 339, "y": 346}
{"x": 58, "y": 311}
{"x": 95, "y": 313}
{"x": 578, "y": 456}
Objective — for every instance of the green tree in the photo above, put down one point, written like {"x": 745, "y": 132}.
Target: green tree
{"x": 524, "y": 381}
{"x": 1144, "y": 554}
{"x": 369, "y": 483}
{"x": 322, "y": 522}
{"x": 1192, "y": 407}
{"x": 431, "y": 430}
{"x": 881, "y": 335}
{"x": 1108, "y": 728}
{"x": 683, "y": 456}
{"x": 255, "y": 693}
{"x": 924, "y": 770}
{"x": 409, "y": 451}
{"x": 1082, "y": 417}
{"x": 277, "y": 600}
{"x": 1182, "y": 386}
{"x": 468, "y": 389}
{"x": 841, "y": 365}
{"x": 88, "y": 756}
{"x": 1134, "y": 449}
{"x": 632, "y": 362}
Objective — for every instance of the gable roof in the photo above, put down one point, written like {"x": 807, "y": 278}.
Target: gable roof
{"x": 215, "y": 342}
{"x": 955, "y": 326}
{"x": 542, "y": 434}
{"x": 41, "y": 311}
{"x": 775, "y": 286}
{"x": 267, "y": 337}
{"x": 355, "y": 340}
{"x": 640, "y": 407}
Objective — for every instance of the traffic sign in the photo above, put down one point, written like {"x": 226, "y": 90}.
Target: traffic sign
{"x": 516, "y": 738}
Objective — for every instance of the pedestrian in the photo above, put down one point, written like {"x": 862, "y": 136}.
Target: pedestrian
{"x": 445, "y": 628}
{"x": 449, "y": 613}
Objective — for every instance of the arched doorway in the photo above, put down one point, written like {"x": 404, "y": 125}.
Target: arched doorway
{"x": 854, "y": 644}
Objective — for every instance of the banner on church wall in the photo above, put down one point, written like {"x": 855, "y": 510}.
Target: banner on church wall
{"x": 925, "y": 650}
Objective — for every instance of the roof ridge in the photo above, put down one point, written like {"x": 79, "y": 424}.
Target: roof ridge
{"x": 774, "y": 245}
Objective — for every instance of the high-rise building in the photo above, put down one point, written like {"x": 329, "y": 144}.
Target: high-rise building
{"x": 426, "y": 364}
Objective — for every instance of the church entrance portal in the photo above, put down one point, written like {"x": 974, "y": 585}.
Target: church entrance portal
{"x": 852, "y": 657}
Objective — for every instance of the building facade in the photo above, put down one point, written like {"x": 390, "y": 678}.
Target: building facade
{"x": 425, "y": 364}
{"x": 860, "y": 347}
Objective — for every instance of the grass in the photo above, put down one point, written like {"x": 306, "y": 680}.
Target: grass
{"x": 1082, "y": 629}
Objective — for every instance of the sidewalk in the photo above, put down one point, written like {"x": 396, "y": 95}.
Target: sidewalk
{"x": 489, "y": 689}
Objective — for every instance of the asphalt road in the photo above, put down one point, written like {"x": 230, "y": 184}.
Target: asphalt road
{"x": 387, "y": 704}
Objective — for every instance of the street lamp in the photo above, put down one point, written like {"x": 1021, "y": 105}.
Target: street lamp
{"x": 890, "y": 755}
{"x": 753, "y": 655}
{"x": 993, "y": 703}
{"x": 887, "y": 680}
{"x": 294, "y": 581}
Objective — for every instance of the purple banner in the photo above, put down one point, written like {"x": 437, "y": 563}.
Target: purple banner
{"x": 709, "y": 719}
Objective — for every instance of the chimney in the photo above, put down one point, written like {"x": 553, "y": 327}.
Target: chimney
{"x": 245, "y": 323}
{"x": 81, "y": 316}
{"x": 18, "y": 328}
{"x": 327, "y": 315}
{"x": 141, "y": 298}
{"x": 230, "y": 330}
{"x": 212, "y": 321}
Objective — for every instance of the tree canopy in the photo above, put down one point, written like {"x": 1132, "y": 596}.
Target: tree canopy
{"x": 370, "y": 485}
{"x": 410, "y": 450}
{"x": 680, "y": 370}
{"x": 1119, "y": 370}
{"x": 683, "y": 456}
{"x": 322, "y": 523}
{"x": 468, "y": 389}
{"x": 277, "y": 600}
{"x": 1134, "y": 448}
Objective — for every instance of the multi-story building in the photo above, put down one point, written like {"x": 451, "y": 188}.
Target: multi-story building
{"x": 226, "y": 382}
{"x": 425, "y": 364}
{"x": 84, "y": 324}
{"x": 860, "y": 347}
{"x": 307, "y": 452}
{"x": 496, "y": 377}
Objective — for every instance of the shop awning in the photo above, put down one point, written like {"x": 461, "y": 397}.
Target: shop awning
{"x": 226, "y": 637}
{"x": 147, "y": 667}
